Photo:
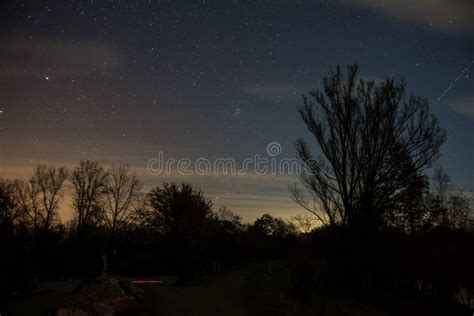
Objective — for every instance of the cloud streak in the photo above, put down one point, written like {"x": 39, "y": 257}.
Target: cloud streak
{"x": 250, "y": 194}
{"x": 464, "y": 106}
{"x": 443, "y": 15}
{"x": 272, "y": 90}
{"x": 24, "y": 58}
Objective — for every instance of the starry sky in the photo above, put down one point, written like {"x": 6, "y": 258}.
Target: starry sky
{"x": 119, "y": 81}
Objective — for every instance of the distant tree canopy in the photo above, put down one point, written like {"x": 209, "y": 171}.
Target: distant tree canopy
{"x": 373, "y": 142}
{"x": 229, "y": 222}
{"x": 179, "y": 211}
{"x": 268, "y": 225}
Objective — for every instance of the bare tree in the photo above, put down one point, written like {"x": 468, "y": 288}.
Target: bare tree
{"x": 440, "y": 187}
{"x": 303, "y": 222}
{"x": 440, "y": 184}
{"x": 39, "y": 196}
{"x": 367, "y": 135}
{"x": 89, "y": 183}
{"x": 450, "y": 207}
{"x": 122, "y": 197}
{"x": 28, "y": 196}
{"x": 459, "y": 212}
{"x": 223, "y": 213}
{"x": 50, "y": 181}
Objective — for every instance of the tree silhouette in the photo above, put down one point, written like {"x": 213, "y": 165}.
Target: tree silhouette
{"x": 89, "y": 182}
{"x": 449, "y": 207}
{"x": 122, "y": 198}
{"x": 367, "y": 134}
{"x": 10, "y": 207}
{"x": 304, "y": 223}
{"x": 178, "y": 209}
{"x": 184, "y": 217}
{"x": 268, "y": 225}
{"x": 39, "y": 196}
{"x": 228, "y": 221}
{"x": 50, "y": 181}
{"x": 28, "y": 197}
{"x": 440, "y": 190}
{"x": 409, "y": 210}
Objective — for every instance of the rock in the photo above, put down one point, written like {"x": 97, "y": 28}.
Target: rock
{"x": 108, "y": 296}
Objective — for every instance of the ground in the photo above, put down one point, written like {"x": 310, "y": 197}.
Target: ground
{"x": 253, "y": 289}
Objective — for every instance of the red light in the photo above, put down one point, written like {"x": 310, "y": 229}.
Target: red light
{"x": 147, "y": 281}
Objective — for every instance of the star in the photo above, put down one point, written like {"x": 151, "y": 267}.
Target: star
{"x": 46, "y": 78}
{"x": 236, "y": 113}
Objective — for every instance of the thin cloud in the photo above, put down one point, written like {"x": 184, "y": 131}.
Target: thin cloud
{"x": 272, "y": 90}
{"x": 464, "y": 106}
{"x": 443, "y": 15}
{"x": 24, "y": 58}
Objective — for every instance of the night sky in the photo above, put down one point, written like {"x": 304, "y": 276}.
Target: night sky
{"x": 119, "y": 81}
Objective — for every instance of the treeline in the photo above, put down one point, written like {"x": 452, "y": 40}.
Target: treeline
{"x": 422, "y": 248}
{"x": 172, "y": 229}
